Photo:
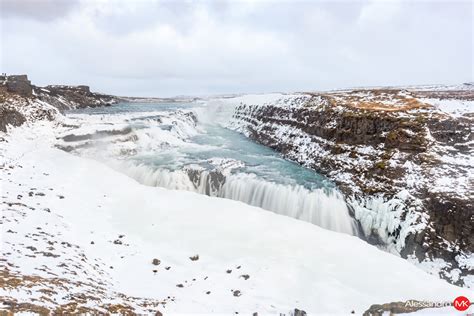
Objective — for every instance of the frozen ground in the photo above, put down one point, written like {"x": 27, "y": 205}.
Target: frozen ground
{"x": 73, "y": 229}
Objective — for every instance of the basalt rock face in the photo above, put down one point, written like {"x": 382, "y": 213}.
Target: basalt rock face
{"x": 404, "y": 164}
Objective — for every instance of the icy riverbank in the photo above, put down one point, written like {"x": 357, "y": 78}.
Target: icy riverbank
{"x": 76, "y": 219}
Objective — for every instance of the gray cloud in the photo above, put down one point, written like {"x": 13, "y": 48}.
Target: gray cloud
{"x": 43, "y": 10}
{"x": 155, "y": 47}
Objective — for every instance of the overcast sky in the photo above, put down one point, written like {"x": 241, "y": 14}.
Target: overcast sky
{"x": 165, "y": 48}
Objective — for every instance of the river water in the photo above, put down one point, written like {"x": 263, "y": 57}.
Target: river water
{"x": 185, "y": 146}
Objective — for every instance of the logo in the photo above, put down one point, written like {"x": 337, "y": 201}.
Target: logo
{"x": 461, "y": 303}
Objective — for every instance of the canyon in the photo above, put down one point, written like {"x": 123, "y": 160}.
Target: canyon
{"x": 379, "y": 168}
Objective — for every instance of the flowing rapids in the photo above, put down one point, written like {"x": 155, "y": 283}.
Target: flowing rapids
{"x": 179, "y": 146}
{"x": 325, "y": 208}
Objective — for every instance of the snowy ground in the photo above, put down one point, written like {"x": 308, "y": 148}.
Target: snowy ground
{"x": 397, "y": 176}
{"x": 74, "y": 230}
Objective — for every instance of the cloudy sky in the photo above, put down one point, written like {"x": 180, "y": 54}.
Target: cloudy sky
{"x": 165, "y": 48}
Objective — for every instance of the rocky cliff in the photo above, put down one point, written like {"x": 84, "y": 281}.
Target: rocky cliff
{"x": 20, "y": 101}
{"x": 402, "y": 157}
{"x": 73, "y": 97}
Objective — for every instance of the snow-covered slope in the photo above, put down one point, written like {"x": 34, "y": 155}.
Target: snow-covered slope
{"x": 75, "y": 233}
{"x": 403, "y": 158}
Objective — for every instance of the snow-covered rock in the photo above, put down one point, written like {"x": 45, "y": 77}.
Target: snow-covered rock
{"x": 402, "y": 156}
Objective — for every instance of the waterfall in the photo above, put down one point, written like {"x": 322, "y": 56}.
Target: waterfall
{"x": 175, "y": 180}
{"x": 323, "y": 207}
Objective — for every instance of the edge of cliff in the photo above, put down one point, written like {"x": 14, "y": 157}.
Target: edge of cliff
{"x": 402, "y": 157}
{"x": 21, "y": 101}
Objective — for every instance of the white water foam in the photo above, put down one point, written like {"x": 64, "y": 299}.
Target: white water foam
{"x": 323, "y": 207}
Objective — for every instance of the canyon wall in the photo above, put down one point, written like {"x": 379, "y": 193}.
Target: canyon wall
{"x": 402, "y": 157}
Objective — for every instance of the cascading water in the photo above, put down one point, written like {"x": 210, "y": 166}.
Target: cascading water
{"x": 323, "y": 207}
{"x": 175, "y": 149}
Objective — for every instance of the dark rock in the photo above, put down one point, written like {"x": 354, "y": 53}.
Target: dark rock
{"x": 19, "y": 84}
{"x": 83, "y": 88}
{"x": 76, "y": 96}
{"x": 395, "y": 308}
{"x": 215, "y": 179}
{"x": 96, "y": 135}
{"x": 194, "y": 258}
{"x": 10, "y": 116}
{"x": 338, "y": 128}
{"x": 299, "y": 312}
{"x": 17, "y": 92}
{"x": 245, "y": 276}
{"x": 156, "y": 262}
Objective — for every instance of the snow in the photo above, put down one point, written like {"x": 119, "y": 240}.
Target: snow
{"x": 384, "y": 217}
{"x": 289, "y": 262}
{"x": 443, "y": 168}
{"x": 259, "y": 99}
{"x": 442, "y": 87}
{"x": 453, "y": 107}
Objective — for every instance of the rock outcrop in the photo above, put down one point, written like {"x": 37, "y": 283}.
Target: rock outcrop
{"x": 18, "y": 84}
{"x": 403, "y": 158}
{"x": 10, "y": 116}
{"x": 20, "y": 101}
{"x": 73, "y": 97}
{"x": 396, "y": 308}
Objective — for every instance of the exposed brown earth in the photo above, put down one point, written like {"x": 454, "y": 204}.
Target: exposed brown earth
{"x": 395, "y": 308}
{"x": 77, "y": 297}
